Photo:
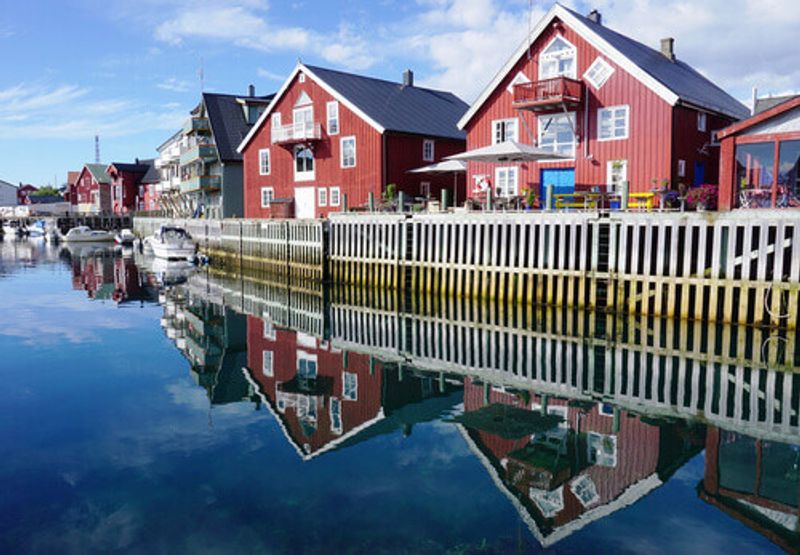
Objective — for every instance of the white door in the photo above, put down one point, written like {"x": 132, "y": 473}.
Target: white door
{"x": 304, "y": 202}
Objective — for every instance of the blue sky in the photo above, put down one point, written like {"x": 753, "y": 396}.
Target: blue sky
{"x": 128, "y": 69}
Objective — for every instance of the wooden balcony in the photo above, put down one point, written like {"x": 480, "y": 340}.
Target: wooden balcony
{"x": 548, "y": 95}
{"x": 296, "y": 133}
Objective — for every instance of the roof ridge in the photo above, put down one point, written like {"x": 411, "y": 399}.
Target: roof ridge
{"x": 380, "y": 79}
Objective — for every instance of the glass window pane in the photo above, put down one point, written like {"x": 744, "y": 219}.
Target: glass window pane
{"x": 789, "y": 174}
{"x": 755, "y": 168}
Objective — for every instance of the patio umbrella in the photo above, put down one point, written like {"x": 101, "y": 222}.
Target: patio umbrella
{"x": 445, "y": 166}
{"x": 508, "y": 151}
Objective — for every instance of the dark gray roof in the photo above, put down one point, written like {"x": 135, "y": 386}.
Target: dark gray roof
{"x": 138, "y": 167}
{"x": 399, "y": 108}
{"x": 763, "y": 104}
{"x": 228, "y": 122}
{"x": 677, "y": 76}
{"x": 152, "y": 175}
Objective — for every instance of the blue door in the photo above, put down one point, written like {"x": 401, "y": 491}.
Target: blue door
{"x": 562, "y": 180}
{"x": 699, "y": 173}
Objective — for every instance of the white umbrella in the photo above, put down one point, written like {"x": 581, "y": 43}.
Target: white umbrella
{"x": 446, "y": 166}
{"x": 508, "y": 151}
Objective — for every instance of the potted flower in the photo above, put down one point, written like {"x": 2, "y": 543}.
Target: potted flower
{"x": 531, "y": 198}
{"x": 702, "y": 198}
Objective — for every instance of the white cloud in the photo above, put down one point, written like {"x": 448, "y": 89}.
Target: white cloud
{"x": 267, "y": 74}
{"x": 39, "y": 111}
{"x": 174, "y": 85}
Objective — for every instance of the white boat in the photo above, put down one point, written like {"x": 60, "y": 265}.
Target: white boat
{"x": 172, "y": 243}
{"x": 38, "y": 229}
{"x": 11, "y": 229}
{"x": 125, "y": 237}
{"x": 83, "y": 234}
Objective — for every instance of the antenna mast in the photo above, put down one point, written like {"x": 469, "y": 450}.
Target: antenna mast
{"x": 97, "y": 149}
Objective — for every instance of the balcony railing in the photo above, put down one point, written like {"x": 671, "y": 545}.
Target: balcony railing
{"x": 299, "y": 132}
{"x": 548, "y": 94}
{"x": 200, "y": 182}
{"x": 196, "y": 125}
{"x": 198, "y": 151}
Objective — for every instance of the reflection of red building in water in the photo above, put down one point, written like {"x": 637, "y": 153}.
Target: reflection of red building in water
{"x": 104, "y": 275}
{"x": 595, "y": 462}
{"x": 756, "y": 482}
{"x": 324, "y": 398}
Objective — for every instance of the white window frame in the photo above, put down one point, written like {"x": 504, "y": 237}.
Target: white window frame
{"x": 306, "y": 175}
{"x": 681, "y": 168}
{"x": 702, "y": 122}
{"x": 336, "y": 415}
{"x": 267, "y": 363}
{"x": 349, "y": 395}
{"x": 503, "y": 124}
{"x": 322, "y": 196}
{"x": 610, "y": 173}
{"x": 519, "y": 79}
{"x": 263, "y": 154}
{"x": 342, "y": 142}
{"x": 428, "y": 152}
{"x": 268, "y": 328}
{"x": 332, "y": 115}
{"x": 334, "y": 196}
{"x": 269, "y": 198}
{"x": 276, "y": 120}
{"x": 503, "y": 175}
{"x": 301, "y": 77}
{"x": 541, "y": 123}
{"x": 544, "y": 57}
{"x": 603, "y": 68}
{"x": 610, "y": 110}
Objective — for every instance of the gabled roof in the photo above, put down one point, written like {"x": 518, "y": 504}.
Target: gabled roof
{"x": 384, "y": 105}
{"x": 132, "y": 168}
{"x": 674, "y": 81}
{"x": 764, "y": 104}
{"x": 98, "y": 172}
{"x": 758, "y": 118}
{"x": 152, "y": 175}
{"x": 228, "y": 123}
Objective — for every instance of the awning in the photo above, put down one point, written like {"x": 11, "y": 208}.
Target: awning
{"x": 508, "y": 151}
{"x": 445, "y": 166}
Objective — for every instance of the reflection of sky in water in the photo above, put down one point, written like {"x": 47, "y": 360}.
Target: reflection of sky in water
{"x": 107, "y": 444}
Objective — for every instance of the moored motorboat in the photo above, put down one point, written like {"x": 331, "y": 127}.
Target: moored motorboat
{"x": 172, "y": 243}
{"x": 125, "y": 237}
{"x": 84, "y": 234}
{"x": 37, "y": 229}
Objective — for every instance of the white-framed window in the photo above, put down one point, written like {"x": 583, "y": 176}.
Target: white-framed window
{"x": 559, "y": 57}
{"x": 322, "y": 196}
{"x": 263, "y": 162}
{"x": 427, "y": 150}
{"x": 347, "y": 147}
{"x": 276, "y": 120}
{"x": 681, "y": 168}
{"x": 303, "y": 163}
{"x": 616, "y": 173}
{"x": 268, "y": 327}
{"x": 302, "y": 77}
{"x": 335, "y": 196}
{"x": 556, "y": 133}
{"x": 598, "y": 73}
{"x": 266, "y": 364}
{"x": 332, "y": 109}
{"x": 519, "y": 79}
{"x": 613, "y": 123}
{"x": 349, "y": 386}
{"x": 306, "y": 365}
{"x": 303, "y": 121}
{"x": 702, "y": 121}
{"x": 336, "y": 415}
{"x": 425, "y": 188}
{"x": 506, "y": 181}
{"x": 505, "y": 130}
{"x": 267, "y": 194}
{"x": 601, "y": 449}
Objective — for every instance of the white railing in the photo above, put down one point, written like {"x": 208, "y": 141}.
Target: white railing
{"x": 298, "y": 131}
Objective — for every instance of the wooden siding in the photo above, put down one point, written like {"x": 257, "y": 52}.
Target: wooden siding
{"x": 647, "y": 150}
{"x": 356, "y": 182}
{"x": 404, "y": 153}
{"x": 693, "y": 146}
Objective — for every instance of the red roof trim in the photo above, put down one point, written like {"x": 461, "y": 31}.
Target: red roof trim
{"x": 758, "y": 118}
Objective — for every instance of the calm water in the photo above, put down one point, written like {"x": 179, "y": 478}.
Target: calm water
{"x": 138, "y": 418}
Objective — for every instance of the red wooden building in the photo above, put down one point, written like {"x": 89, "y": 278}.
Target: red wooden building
{"x": 760, "y": 159}
{"x": 619, "y": 110}
{"x": 71, "y": 194}
{"x": 93, "y": 190}
{"x": 125, "y": 179}
{"x": 23, "y": 192}
{"x": 327, "y": 134}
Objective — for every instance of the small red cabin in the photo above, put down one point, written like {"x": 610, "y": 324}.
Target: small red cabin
{"x": 616, "y": 109}
{"x": 760, "y": 159}
{"x": 93, "y": 189}
{"x": 328, "y": 134}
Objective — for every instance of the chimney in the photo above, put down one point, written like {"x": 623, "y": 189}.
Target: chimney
{"x": 251, "y": 90}
{"x": 595, "y": 16}
{"x": 754, "y": 101}
{"x": 668, "y": 48}
{"x": 408, "y": 78}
